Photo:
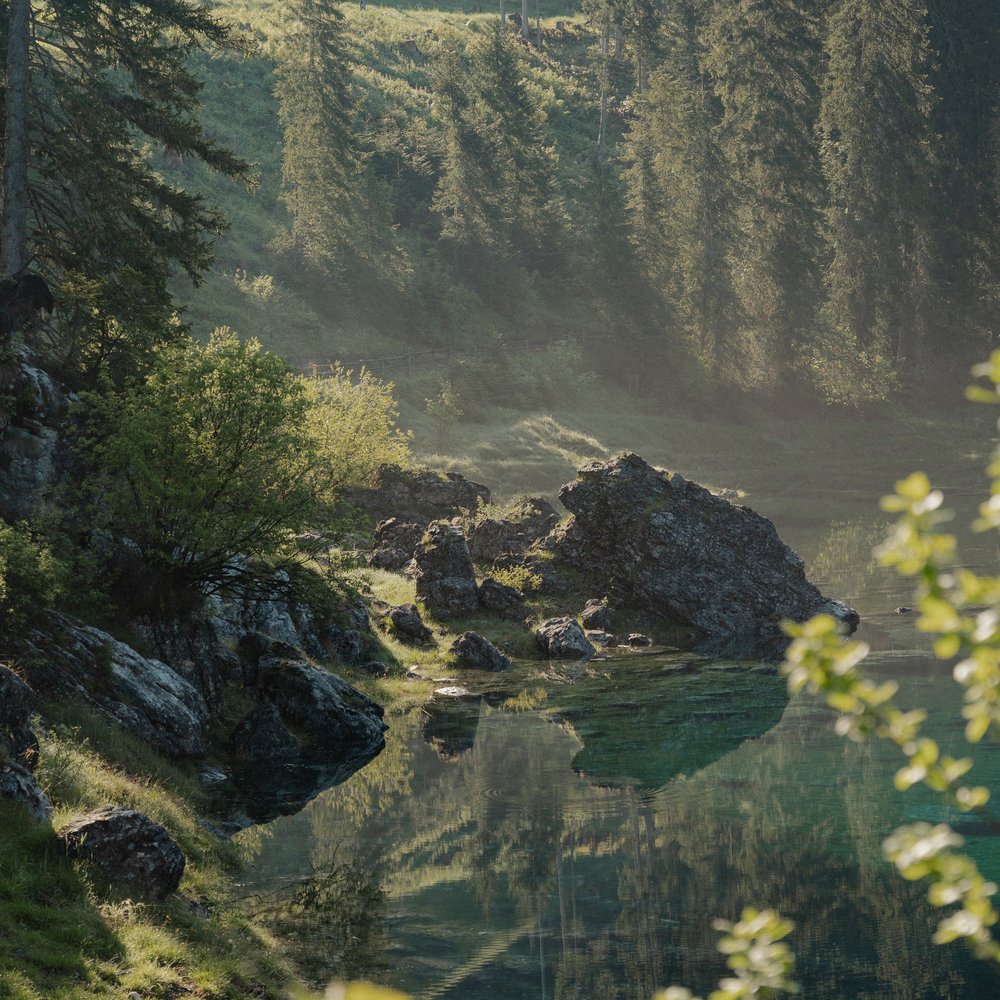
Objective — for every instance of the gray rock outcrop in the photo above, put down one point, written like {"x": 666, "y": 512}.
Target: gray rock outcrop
{"x": 507, "y": 601}
{"x": 326, "y": 708}
{"x": 17, "y": 784}
{"x": 417, "y": 495}
{"x": 446, "y": 580}
{"x": 144, "y": 695}
{"x": 689, "y": 560}
{"x": 263, "y": 739}
{"x": 473, "y": 651}
{"x": 563, "y": 639}
{"x": 491, "y": 538}
{"x": 393, "y": 543}
{"x": 128, "y": 848}
{"x": 18, "y": 743}
{"x": 597, "y": 615}
{"x": 31, "y": 448}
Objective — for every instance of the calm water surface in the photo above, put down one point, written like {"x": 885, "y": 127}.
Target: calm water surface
{"x": 575, "y": 832}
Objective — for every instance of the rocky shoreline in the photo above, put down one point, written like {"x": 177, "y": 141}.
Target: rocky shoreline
{"x": 643, "y": 557}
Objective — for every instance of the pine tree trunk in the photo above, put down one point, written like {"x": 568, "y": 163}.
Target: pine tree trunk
{"x": 602, "y": 128}
{"x": 538, "y": 24}
{"x": 524, "y": 20}
{"x": 13, "y": 253}
{"x": 503, "y": 13}
{"x": 618, "y": 42}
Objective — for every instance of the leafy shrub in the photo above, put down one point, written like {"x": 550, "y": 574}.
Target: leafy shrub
{"x": 207, "y": 459}
{"x": 30, "y": 576}
{"x": 352, "y": 422}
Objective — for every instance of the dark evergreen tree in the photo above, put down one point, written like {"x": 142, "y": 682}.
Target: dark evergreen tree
{"x": 497, "y": 189}
{"x": 103, "y": 80}
{"x": 321, "y": 160}
{"x": 679, "y": 192}
{"x": 762, "y": 58}
{"x": 878, "y": 150}
{"x": 965, "y": 38}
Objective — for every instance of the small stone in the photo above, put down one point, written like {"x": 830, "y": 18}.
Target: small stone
{"x": 453, "y": 691}
{"x": 477, "y": 653}
{"x": 600, "y": 638}
{"x": 636, "y": 640}
{"x": 563, "y": 639}
{"x": 904, "y": 610}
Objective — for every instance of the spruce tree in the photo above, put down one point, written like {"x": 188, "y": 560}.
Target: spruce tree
{"x": 878, "y": 152}
{"x": 762, "y": 59}
{"x": 679, "y": 193}
{"x": 321, "y": 160}
{"x": 102, "y": 81}
{"x": 965, "y": 38}
{"x": 497, "y": 193}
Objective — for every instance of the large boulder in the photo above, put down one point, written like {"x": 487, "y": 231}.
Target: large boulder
{"x": 144, "y": 695}
{"x": 563, "y": 639}
{"x": 491, "y": 538}
{"x": 691, "y": 561}
{"x": 417, "y": 495}
{"x": 597, "y": 615}
{"x": 473, "y": 651}
{"x": 323, "y": 706}
{"x": 393, "y": 543}
{"x": 446, "y": 580}
{"x": 128, "y": 848}
{"x": 270, "y": 610}
{"x": 263, "y": 740}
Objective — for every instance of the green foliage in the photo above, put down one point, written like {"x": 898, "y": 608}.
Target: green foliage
{"x": 444, "y": 408}
{"x": 30, "y": 576}
{"x": 496, "y": 194}
{"x": 352, "y": 421}
{"x": 321, "y": 163}
{"x": 108, "y": 82}
{"x": 878, "y": 96}
{"x": 207, "y": 459}
{"x": 961, "y": 609}
{"x": 519, "y": 577}
{"x": 757, "y": 955}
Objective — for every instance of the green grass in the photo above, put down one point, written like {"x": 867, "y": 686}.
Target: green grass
{"x": 65, "y": 934}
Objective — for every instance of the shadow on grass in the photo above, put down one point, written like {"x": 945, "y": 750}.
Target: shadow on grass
{"x": 51, "y": 934}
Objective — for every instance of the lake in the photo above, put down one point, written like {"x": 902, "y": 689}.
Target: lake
{"x": 574, "y": 831}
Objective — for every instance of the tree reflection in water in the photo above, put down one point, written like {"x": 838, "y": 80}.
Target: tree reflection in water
{"x": 509, "y": 873}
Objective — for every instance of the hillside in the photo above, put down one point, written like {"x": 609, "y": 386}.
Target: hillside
{"x": 426, "y": 303}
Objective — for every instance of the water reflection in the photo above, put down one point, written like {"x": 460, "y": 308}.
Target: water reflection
{"x": 582, "y": 847}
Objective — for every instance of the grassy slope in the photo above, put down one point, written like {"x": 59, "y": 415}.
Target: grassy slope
{"x": 306, "y": 320}
{"x": 63, "y": 934}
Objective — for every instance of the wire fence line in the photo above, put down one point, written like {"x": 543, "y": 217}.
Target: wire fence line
{"x": 394, "y": 365}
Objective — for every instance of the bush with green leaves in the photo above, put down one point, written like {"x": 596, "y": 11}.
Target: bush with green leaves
{"x": 352, "y": 421}
{"x": 207, "y": 459}
{"x": 30, "y": 576}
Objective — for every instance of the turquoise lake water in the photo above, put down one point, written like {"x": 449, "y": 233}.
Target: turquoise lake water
{"x": 575, "y": 831}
